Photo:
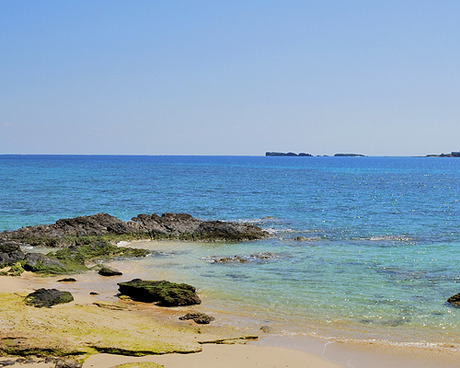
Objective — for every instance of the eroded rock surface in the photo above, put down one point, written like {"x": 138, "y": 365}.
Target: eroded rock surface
{"x": 169, "y": 225}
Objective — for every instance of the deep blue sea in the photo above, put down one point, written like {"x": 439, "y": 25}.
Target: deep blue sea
{"x": 365, "y": 247}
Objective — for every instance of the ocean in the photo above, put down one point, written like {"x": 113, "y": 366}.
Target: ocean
{"x": 362, "y": 247}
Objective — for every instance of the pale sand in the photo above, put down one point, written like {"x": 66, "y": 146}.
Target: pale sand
{"x": 271, "y": 351}
{"x": 223, "y": 356}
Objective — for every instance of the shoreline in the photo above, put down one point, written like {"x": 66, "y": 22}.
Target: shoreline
{"x": 322, "y": 353}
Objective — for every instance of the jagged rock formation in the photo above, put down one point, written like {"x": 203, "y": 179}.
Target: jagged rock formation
{"x": 169, "y": 225}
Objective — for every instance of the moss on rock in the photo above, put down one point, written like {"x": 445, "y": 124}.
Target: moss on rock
{"x": 165, "y": 293}
{"x": 47, "y": 298}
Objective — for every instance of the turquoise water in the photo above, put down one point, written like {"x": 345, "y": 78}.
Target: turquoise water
{"x": 378, "y": 252}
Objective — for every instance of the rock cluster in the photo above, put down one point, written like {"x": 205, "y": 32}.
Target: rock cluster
{"x": 169, "y": 225}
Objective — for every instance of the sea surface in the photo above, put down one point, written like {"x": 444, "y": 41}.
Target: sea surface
{"x": 361, "y": 247}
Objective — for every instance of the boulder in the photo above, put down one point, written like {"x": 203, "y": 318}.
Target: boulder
{"x": 200, "y": 318}
{"x": 454, "y": 300}
{"x": 165, "y": 293}
{"x": 48, "y": 297}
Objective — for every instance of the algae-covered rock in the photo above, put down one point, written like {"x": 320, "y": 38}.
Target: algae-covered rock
{"x": 454, "y": 300}
{"x": 39, "y": 263}
{"x": 107, "y": 271}
{"x": 200, "y": 318}
{"x": 48, "y": 297}
{"x": 79, "y": 254}
{"x": 16, "y": 269}
{"x": 165, "y": 293}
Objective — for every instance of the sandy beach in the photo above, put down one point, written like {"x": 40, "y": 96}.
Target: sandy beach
{"x": 238, "y": 348}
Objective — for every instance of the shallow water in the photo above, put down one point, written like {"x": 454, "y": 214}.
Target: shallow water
{"x": 361, "y": 247}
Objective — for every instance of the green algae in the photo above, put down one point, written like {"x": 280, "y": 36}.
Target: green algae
{"x": 16, "y": 269}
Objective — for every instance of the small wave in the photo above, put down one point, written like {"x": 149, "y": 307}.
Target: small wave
{"x": 402, "y": 238}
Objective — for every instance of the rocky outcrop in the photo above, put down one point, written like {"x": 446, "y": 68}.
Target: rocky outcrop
{"x": 48, "y": 297}
{"x": 454, "y": 300}
{"x": 165, "y": 293}
{"x": 185, "y": 226}
{"x": 169, "y": 225}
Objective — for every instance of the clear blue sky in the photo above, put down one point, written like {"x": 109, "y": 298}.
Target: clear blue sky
{"x": 229, "y": 77}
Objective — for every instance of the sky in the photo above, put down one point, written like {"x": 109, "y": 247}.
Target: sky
{"x": 229, "y": 77}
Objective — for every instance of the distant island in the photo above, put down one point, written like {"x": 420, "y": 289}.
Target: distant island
{"x": 302, "y": 154}
{"x": 452, "y": 154}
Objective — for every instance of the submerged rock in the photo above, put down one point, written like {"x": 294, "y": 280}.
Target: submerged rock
{"x": 454, "y": 300}
{"x": 257, "y": 257}
{"x": 48, "y": 297}
{"x": 200, "y": 318}
{"x": 163, "y": 292}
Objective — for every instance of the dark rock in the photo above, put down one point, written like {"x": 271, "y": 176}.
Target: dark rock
{"x": 67, "y": 279}
{"x": 93, "y": 293}
{"x": 163, "y": 292}
{"x": 169, "y": 225}
{"x": 48, "y": 297}
{"x": 454, "y": 300}
{"x": 10, "y": 253}
{"x": 200, "y": 318}
{"x": 107, "y": 271}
